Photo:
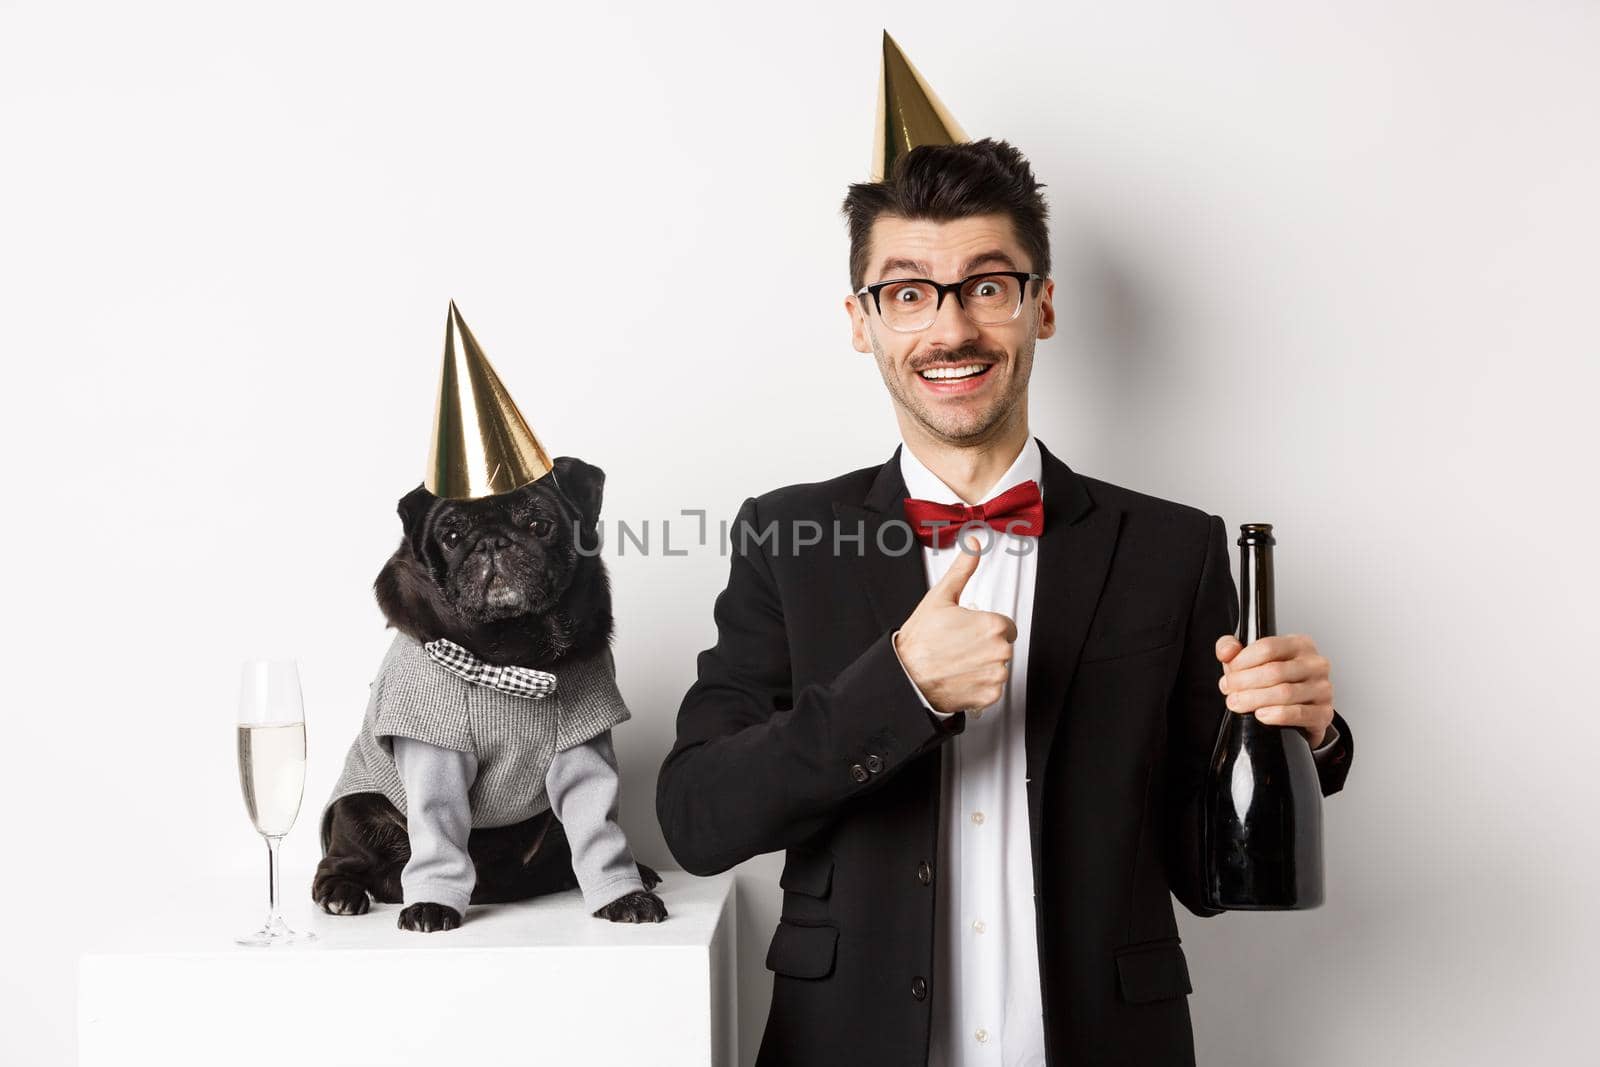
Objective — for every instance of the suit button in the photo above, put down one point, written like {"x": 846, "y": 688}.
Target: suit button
{"x": 919, "y": 988}
{"x": 858, "y": 772}
{"x": 874, "y": 763}
{"x": 924, "y": 872}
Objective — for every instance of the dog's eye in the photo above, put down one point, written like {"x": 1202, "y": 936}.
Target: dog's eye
{"x": 450, "y": 537}
{"x": 541, "y": 526}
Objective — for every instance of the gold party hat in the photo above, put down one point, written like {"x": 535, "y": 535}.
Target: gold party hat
{"x": 909, "y": 113}
{"x": 481, "y": 443}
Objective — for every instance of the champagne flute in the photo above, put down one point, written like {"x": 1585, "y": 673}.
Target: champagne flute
{"x": 272, "y": 773}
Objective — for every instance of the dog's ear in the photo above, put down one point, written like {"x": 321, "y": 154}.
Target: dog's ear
{"x": 583, "y": 483}
{"x": 414, "y": 508}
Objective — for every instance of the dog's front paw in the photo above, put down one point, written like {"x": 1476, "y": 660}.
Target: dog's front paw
{"x": 639, "y": 906}
{"x": 340, "y": 896}
{"x": 650, "y": 877}
{"x": 428, "y": 918}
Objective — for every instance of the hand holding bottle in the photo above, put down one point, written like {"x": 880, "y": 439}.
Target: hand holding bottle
{"x": 1282, "y": 679}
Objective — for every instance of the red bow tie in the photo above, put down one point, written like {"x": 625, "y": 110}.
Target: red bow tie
{"x": 1018, "y": 510}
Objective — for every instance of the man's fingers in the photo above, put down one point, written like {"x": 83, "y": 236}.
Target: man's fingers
{"x": 962, "y": 567}
{"x": 981, "y": 622}
{"x": 1011, "y": 628}
{"x": 1228, "y": 647}
{"x": 1266, "y": 649}
{"x": 1284, "y": 693}
{"x": 982, "y": 687}
{"x": 1299, "y": 669}
{"x": 971, "y": 651}
{"x": 1313, "y": 717}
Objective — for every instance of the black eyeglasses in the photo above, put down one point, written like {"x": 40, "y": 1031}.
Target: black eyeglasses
{"x": 988, "y": 299}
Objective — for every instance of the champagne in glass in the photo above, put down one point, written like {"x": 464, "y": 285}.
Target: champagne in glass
{"x": 272, "y": 772}
{"x": 271, "y": 735}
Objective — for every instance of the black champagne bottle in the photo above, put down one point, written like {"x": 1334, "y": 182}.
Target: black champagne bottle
{"x": 1262, "y": 815}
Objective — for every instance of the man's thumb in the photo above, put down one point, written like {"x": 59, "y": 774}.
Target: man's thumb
{"x": 961, "y": 569}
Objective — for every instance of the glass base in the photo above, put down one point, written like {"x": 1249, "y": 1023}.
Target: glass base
{"x": 276, "y": 932}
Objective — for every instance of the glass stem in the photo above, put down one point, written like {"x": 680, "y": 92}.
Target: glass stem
{"x": 272, "y": 880}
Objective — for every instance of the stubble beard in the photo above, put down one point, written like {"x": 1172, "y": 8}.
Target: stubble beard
{"x": 964, "y": 430}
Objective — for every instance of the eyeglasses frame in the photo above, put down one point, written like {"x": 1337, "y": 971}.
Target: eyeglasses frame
{"x": 941, "y": 288}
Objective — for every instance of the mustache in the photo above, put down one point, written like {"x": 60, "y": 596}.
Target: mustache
{"x": 946, "y": 357}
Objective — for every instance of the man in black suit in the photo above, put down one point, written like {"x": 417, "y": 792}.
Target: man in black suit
{"x": 836, "y": 717}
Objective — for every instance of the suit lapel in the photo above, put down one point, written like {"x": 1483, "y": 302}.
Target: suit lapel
{"x": 890, "y": 561}
{"x": 1074, "y": 557}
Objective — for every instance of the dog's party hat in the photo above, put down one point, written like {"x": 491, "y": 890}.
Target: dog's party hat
{"x": 909, "y": 113}
{"x": 481, "y": 443}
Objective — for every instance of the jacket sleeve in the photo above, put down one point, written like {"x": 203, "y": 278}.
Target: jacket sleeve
{"x": 756, "y": 766}
{"x": 1195, "y": 715}
{"x": 1333, "y": 758}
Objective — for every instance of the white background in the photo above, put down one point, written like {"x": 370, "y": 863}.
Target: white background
{"x": 1330, "y": 266}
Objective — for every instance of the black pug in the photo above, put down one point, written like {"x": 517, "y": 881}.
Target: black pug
{"x": 547, "y": 601}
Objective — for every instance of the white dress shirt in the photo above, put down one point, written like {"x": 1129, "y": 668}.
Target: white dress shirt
{"x": 987, "y": 1005}
{"x": 986, "y": 1002}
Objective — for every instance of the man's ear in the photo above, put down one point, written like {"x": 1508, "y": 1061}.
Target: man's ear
{"x": 414, "y": 508}
{"x": 583, "y": 483}
{"x": 1047, "y": 309}
{"x": 858, "y": 324}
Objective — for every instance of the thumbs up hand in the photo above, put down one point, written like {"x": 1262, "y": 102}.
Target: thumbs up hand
{"x": 959, "y": 658}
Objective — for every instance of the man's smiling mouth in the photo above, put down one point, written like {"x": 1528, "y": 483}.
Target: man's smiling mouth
{"x": 955, "y": 373}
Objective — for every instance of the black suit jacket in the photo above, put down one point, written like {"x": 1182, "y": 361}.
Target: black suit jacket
{"x": 803, "y": 733}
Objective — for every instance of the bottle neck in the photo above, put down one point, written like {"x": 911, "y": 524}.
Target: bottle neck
{"x": 1257, "y": 614}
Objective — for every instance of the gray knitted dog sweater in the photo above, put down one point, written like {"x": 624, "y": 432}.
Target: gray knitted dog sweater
{"x": 512, "y": 737}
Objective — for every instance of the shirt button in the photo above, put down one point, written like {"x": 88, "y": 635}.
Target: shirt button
{"x": 874, "y": 763}
{"x": 982, "y": 1035}
{"x": 858, "y": 772}
{"x": 978, "y": 927}
{"x": 924, "y": 872}
{"x": 919, "y": 988}
{"x": 977, "y": 816}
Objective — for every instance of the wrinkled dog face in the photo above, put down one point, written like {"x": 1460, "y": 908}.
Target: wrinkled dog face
{"x": 511, "y": 554}
{"x": 503, "y": 556}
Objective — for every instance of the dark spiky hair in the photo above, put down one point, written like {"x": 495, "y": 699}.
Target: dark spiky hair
{"x": 953, "y": 181}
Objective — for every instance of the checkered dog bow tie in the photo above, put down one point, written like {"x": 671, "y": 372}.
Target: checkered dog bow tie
{"x": 518, "y": 681}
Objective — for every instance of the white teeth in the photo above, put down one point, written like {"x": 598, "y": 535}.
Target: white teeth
{"x": 946, "y": 373}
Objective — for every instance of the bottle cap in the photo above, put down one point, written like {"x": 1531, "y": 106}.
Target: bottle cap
{"x": 1256, "y": 533}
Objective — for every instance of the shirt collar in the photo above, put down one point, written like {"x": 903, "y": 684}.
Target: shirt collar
{"x": 923, "y": 484}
